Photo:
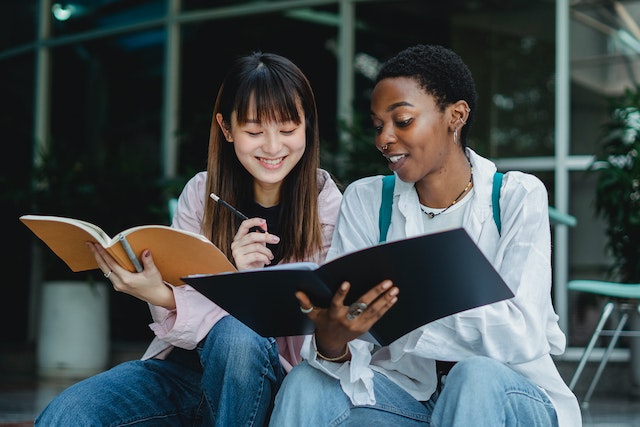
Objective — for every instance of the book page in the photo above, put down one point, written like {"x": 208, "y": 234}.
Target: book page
{"x": 302, "y": 265}
{"x": 100, "y": 235}
{"x": 163, "y": 227}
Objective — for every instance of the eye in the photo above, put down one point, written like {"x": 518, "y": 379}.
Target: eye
{"x": 253, "y": 133}
{"x": 288, "y": 132}
{"x": 403, "y": 123}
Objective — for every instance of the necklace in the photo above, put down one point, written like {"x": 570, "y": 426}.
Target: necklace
{"x": 432, "y": 215}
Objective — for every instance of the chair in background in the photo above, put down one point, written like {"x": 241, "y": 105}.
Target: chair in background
{"x": 557, "y": 217}
{"x": 622, "y": 299}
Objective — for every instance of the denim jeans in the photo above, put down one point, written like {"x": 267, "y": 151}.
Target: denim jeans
{"x": 477, "y": 392}
{"x": 230, "y": 379}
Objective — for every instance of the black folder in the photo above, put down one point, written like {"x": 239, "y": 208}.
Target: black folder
{"x": 438, "y": 275}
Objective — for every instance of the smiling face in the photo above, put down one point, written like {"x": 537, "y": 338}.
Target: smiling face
{"x": 267, "y": 150}
{"x": 417, "y": 134}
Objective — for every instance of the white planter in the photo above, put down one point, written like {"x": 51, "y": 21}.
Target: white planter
{"x": 73, "y": 337}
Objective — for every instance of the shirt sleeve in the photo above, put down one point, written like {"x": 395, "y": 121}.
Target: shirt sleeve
{"x": 190, "y": 322}
{"x": 356, "y": 377}
{"x": 195, "y": 314}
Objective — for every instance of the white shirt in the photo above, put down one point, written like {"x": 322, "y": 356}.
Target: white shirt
{"x": 521, "y": 332}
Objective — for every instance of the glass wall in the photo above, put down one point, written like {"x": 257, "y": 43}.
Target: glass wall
{"x": 120, "y": 93}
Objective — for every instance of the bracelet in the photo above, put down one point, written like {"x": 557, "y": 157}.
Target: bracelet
{"x": 334, "y": 359}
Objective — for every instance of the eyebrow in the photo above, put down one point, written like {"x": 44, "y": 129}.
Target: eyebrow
{"x": 397, "y": 105}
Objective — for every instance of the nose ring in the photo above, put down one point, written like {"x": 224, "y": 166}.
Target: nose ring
{"x": 384, "y": 147}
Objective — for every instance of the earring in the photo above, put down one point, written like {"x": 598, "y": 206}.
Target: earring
{"x": 455, "y": 135}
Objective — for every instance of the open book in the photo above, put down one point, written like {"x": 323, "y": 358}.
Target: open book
{"x": 175, "y": 252}
{"x": 438, "y": 275}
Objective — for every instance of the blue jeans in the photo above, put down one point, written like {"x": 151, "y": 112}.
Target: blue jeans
{"x": 230, "y": 379}
{"x": 477, "y": 392}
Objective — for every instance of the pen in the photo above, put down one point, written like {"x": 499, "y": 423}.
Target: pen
{"x": 235, "y": 211}
{"x": 132, "y": 256}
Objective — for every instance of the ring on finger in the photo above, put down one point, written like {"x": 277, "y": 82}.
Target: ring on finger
{"x": 307, "y": 310}
{"x": 106, "y": 275}
{"x": 355, "y": 310}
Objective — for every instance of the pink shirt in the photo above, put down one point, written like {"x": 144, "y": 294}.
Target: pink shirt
{"x": 195, "y": 314}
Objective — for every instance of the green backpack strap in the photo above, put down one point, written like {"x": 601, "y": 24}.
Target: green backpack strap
{"x": 384, "y": 220}
{"x": 388, "y": 182}
{"x": 495, "y": 198}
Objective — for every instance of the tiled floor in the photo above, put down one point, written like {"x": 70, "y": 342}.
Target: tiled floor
{"x": 23, "y": 396}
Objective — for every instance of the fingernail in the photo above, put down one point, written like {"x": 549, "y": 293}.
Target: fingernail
{"x": 273, "y": 238}
{"x": 386, "y": 285}
{"x": 394, "y": 291}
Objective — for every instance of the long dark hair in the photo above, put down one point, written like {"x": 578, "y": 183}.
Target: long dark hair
{"x": 279, "y": 88}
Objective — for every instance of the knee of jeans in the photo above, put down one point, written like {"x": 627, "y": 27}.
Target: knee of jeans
{"x": 62, "y": 412}
{"x": 475, "y": 369}
{"x": 230, "y": 333}
{"x": 301, "y": 379}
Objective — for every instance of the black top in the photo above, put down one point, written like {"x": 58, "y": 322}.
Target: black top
{"x": 272, "y": 215}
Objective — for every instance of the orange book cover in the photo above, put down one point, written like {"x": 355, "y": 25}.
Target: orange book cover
{"x": 176, "y": 253}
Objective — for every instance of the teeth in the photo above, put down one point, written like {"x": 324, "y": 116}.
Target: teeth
{"x": 272, "y": 161}
{"x": 394, "y": 159}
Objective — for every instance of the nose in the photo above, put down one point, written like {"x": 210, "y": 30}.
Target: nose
{"x": 385, "y": 138}
{"x": 272, "y": 143}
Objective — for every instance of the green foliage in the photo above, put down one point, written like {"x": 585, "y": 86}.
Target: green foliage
{"x": 618, "y": 185}
{"x": 357, "y": 156}
{"x": 114, "y": 189}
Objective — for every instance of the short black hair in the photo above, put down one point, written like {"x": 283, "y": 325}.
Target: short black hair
{"x": 440, "y": 72}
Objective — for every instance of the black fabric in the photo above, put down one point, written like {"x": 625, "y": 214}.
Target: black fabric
{"x": 442, "y": 369}
{"x": 272, "y": 215}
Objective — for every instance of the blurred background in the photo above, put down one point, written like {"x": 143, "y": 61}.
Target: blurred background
{"x": 106, "y": 106}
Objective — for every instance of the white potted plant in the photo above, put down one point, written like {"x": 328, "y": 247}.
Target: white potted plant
{"x": 72, "y": 324}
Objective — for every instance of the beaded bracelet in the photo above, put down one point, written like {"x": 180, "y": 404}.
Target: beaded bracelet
{"x": 333, "y": 359}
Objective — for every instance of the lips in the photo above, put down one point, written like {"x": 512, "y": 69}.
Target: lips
{"x": 395, "y": 161}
